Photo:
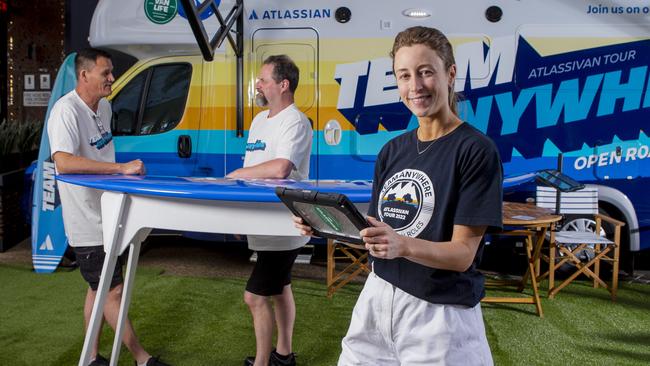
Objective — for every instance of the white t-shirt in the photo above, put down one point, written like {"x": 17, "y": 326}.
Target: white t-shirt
{"x": 75, "y": 129}
{"x": 287, "y": 135}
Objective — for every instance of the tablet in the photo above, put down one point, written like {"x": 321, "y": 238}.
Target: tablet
{"x": 331, "y": 215}
{"x": 557, "y": 180}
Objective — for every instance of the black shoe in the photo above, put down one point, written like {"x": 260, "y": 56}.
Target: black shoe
{"x": 99, "y": 361}
{"x": 250, "y": 361}
{"x": 279, "y": 360}
{"x": 153, "y": 361}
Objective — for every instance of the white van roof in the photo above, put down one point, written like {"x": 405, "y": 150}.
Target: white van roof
{"x": 155, "y": 29}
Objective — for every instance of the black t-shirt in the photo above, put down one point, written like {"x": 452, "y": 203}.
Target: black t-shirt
{"x": 457, "y": 180}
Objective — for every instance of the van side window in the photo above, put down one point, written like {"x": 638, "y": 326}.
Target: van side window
{"x": 126, "y": 105}
{"x": 153, "y": 102}
{"x": 166, "y": 98}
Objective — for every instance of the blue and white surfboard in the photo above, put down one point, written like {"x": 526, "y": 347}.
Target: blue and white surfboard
{"x": 48, "y": 236}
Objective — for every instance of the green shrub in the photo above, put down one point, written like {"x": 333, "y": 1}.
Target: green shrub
{"x": 18, "y": 143}
{"x": 7, "y": 139}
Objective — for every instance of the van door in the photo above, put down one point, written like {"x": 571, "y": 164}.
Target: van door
{"x": 155, "y": 115}
{"x": 301, "y": 45}
{"x": 218, "y": 113}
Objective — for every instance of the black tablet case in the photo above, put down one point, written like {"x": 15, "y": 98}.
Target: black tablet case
{"x": 331, "y": 215}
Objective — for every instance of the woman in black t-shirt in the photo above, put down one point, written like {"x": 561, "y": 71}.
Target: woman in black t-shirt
{"x": 436, "y": 190}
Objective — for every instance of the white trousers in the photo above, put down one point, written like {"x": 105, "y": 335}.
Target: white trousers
{"x": 391, "y": 327}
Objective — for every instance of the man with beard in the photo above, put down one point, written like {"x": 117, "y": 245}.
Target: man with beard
{"x": 278, "y": 147}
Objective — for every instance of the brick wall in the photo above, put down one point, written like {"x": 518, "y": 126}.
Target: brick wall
{"x": 35, "y": 50}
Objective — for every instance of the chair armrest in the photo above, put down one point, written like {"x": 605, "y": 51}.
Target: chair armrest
{"x": 519, "y": 232}
{"x": 351, "y": 245}
{"x": 610, "y": 220}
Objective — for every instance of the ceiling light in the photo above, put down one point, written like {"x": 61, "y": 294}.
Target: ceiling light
{"x": 416, "y": 13}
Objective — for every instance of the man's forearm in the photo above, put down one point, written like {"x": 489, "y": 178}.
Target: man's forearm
{"x": 71, "y": 164}
{"x": 79, "y": 165}
{"x": 273, "y": 169}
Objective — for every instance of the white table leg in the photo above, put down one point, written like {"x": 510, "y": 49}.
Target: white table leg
{"x": 129, "y": 279}
{"x": 112, "y": 252}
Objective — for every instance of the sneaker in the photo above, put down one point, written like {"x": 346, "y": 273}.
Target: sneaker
{"x": 154, "y": 361}
{"x": 99, "y": 361}
{"x": 250, "y": 361}
{"x": 279, "y": 360}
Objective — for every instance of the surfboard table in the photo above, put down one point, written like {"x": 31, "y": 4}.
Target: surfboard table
{"x": 134, "y": 205}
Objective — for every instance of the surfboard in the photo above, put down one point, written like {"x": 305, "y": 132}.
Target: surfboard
{"x": 48, "y": 236}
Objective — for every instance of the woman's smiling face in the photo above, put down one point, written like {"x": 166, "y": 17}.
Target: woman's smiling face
{"x": 423, "y": 81}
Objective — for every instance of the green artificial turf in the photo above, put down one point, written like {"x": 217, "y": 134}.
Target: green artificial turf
{"x": 581, "y": 326}
{"x": 203, "y": 321}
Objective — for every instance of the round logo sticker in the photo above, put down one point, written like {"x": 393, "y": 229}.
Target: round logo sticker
{"x": 160, "y": 11}
{"x": 406, "y": 202}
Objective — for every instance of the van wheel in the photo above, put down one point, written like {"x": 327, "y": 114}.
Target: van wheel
{"x": 585, "y": 224}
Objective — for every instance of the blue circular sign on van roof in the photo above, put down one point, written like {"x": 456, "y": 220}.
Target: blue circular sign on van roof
{"x": 206, "y": 13}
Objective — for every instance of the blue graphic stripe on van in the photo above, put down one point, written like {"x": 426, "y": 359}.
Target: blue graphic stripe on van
{"x": 162, "y": 163}
{"x": 216, "y": 165}
{"x": 360, "y": 166}
{"x": 214, "y": 141}
{"x": 159, "y": 143}
{"x": 349, "y": 166}
{"x": 339, "y": 167}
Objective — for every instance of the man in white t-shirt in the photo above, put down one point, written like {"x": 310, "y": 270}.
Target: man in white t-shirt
{"x": 279, "y": 145}
{"x": 81, "y": 143}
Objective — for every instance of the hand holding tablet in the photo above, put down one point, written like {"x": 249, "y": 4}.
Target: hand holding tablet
{"x": 330, "y": 215}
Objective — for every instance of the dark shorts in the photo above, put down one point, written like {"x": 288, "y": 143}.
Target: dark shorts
{"x": 91, "y": 261}
{"x": 272, "y": 272}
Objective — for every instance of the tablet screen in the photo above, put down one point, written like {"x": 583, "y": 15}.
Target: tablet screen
{"x": 327, "y": 219}
{"x": 557, "y": 180}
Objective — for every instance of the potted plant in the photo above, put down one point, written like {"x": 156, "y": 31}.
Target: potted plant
{"x": 18, "y": 147}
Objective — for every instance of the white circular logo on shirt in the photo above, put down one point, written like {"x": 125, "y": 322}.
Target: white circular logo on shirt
{"x": 406, "y": 202}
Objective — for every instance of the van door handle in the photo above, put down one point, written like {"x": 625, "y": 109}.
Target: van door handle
{"x": 184, "y": 146}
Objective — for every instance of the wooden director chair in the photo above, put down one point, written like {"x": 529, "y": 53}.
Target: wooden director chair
{"x": 532, "y": 223}
{"x": 580, "y": 242}
{"x": 357, "y": 262}
{"x": 529, "y": 241}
